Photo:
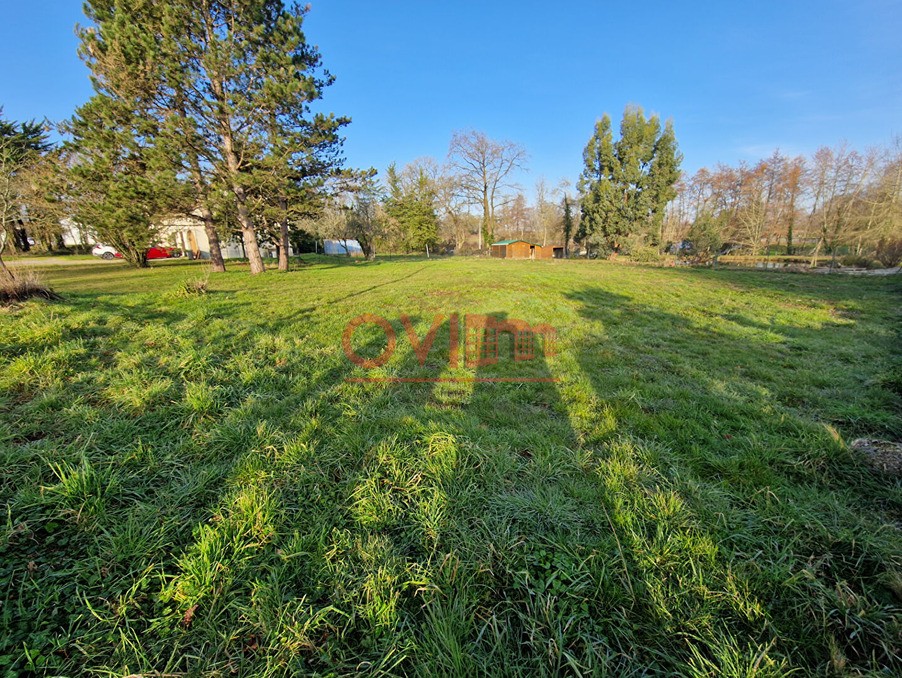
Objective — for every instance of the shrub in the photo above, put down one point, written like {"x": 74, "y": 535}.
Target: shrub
{"x": 637, "y": 249}
{"x": 859, "y": 261}
{"x": 889, "y": 252}
{"x": 23, "y": 285}
{"x": 197, "y": 286}
{"x": 645, "y": 254}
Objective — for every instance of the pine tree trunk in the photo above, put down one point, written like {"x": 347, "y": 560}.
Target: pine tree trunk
{"x": 249, "y": 236}
{"x": 137, "y": 258}
{"x": 248, "y": 233}
{"x": 217, "y": 263}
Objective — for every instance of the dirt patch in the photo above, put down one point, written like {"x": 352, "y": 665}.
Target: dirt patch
{"x": 883, "y": 455}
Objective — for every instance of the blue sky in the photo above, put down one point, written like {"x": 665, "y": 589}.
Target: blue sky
{"x": 738, "y": 79}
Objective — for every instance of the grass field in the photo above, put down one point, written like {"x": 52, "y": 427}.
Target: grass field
{"x": 191, "y": 486}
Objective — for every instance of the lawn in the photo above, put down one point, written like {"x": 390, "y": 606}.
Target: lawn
{"x": 192, "y": 485}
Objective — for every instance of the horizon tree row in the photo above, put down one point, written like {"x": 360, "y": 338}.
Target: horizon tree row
{"x": 837, "y": 200}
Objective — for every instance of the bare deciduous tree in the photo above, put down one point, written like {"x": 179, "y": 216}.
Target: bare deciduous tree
{"x": 548, "y": 212}
{"x": 484, "y": 168}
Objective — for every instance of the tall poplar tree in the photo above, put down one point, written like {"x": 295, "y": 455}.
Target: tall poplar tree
{"x": 567, "y": 225}
{"x": 627, "y": 183}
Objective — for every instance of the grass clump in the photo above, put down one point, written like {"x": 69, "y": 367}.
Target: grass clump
{"x": 23, "y": 285}
{"x": 197, "y": 286}
{"x": 203, "y": 489}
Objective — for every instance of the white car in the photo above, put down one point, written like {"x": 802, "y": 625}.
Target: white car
{"x": 105, "y": 252}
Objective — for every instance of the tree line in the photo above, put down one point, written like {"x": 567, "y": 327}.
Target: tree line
{"x": 209, "y": 110}
{"x": 471, "y": 199}
{"x": 205, "y": 110}
{"x": 838, "y": 201}
{"x": 461, "y": 204}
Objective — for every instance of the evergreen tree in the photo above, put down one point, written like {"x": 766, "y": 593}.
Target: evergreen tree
{"x": 627, "y": 183}
{"x": 121, "y": 185}
{"x": 249, "y": 77}
{"x": 231, "y": 82}
{"x": 123, "y": 180}
{"x": 411, "y": 203}
{"x": 290, "y": 179}
{"x": 21, "y": 147}
{"x": 599, "y": 224}
{"x": 663, "y": 175}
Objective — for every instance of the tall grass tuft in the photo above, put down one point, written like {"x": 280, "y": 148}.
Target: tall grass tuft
{"x": 22, "y": 286}
{"x": 198, "y": 285}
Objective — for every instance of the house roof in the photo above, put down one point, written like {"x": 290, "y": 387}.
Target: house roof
{"x": 511, "y": 242}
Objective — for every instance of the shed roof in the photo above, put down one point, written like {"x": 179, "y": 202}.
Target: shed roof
{"x": 511, "y": 242}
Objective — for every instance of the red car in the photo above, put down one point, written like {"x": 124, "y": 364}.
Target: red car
{"x": 156, "y": 252}
{"x": 160, "y": 252}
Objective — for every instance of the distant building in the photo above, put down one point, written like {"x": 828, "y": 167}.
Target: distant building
{"x": 521, "y": 249}
{"x": 189, "y": 235}
{"x": 343, "y": 247}
{"x": 185, "y": 233}
{"x": 73, "y": 236}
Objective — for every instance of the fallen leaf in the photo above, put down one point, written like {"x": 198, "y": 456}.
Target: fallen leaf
{"x": 189, "y": 616}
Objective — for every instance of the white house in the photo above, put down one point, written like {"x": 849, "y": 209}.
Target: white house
{"x": 185, "y": 233}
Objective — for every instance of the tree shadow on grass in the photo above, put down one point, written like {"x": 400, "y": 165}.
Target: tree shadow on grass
{"x": 827, "y": 289}
{"x": 641, "y": 514}
{"x": 147, "y": 428}
{"x": 749, "y": 526}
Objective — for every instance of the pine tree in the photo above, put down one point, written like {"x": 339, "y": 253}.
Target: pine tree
{"x": 122, "y": 186}
{"x": 231, "y": 83}
{"x": 249, "y": 77}
{"x": 291, "y": 177}
{"x": 123, "y": 181}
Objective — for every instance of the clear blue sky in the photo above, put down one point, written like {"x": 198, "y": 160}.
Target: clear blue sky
{"x": 737, "y": 78}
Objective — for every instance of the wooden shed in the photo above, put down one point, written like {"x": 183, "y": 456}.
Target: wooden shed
{"x": 513, "y": 249}
{"x": 521, "y": 249}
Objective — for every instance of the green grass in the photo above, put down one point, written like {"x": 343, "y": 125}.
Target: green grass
{"x": 192, "y": 487}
